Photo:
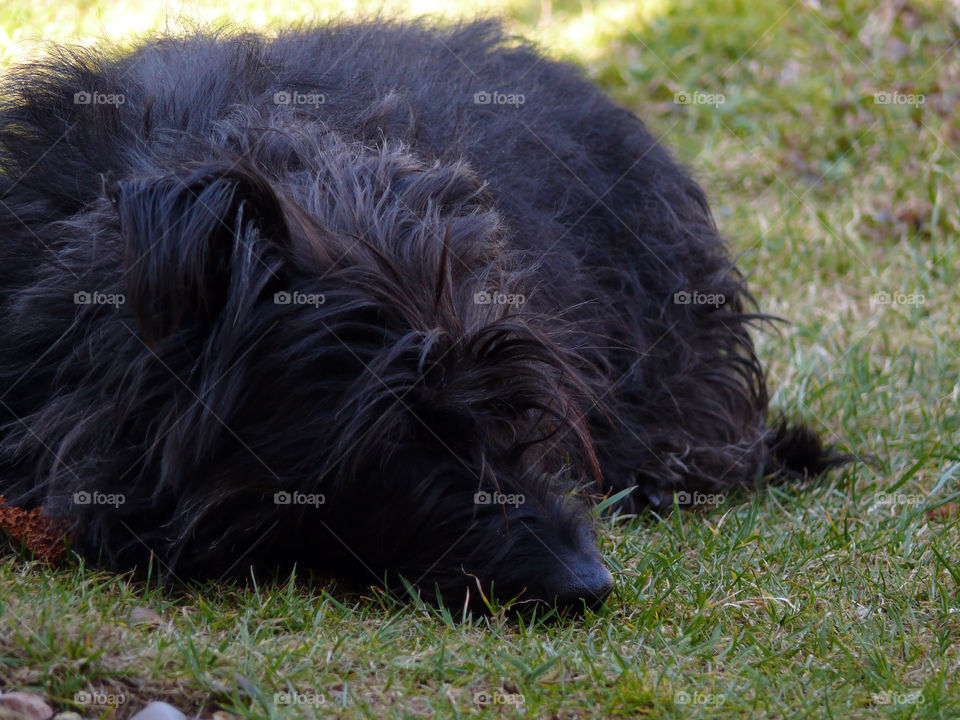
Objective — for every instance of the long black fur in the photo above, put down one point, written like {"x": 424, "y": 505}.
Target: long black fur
{"x": 391, "y": 200}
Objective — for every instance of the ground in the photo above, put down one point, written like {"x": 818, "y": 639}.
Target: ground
{"x": 827, "y": 136}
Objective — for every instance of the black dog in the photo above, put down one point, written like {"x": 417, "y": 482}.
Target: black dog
{"x": 379, "y": 299}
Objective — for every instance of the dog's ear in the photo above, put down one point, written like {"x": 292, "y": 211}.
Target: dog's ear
{"x": 187, "y": 235}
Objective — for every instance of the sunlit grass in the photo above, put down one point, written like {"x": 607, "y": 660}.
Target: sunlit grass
{"x": 581, "y": 31}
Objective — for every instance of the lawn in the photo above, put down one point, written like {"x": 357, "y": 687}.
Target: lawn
{"x": 827, "y": 136}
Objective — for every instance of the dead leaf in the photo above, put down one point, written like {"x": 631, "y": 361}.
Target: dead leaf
{"x": 37, "y": 533}
{"x": 944, "y": 512}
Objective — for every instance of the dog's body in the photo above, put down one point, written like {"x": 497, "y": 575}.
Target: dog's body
{"x": 371, "y": 298}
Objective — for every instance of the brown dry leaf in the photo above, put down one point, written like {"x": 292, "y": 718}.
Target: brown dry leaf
{"x": 914, "y": 212}
{"x": 37, "y": 533}
{"x": 944, "y": 512}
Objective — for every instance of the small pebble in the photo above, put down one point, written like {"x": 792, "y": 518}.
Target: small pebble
{"x": 159, "y": 711}
{"x": 20, "y": 705}
{"x": 143, "y": 616}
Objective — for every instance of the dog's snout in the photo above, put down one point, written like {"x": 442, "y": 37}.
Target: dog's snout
{"x": 584, "y": 583}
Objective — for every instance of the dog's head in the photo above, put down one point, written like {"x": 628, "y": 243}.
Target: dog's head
{"x": 367, "y": 389}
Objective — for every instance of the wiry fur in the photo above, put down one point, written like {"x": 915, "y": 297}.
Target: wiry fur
{"x": 399, "y": 397}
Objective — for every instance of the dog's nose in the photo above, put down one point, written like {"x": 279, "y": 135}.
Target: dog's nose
{"x": 584, "y": 583}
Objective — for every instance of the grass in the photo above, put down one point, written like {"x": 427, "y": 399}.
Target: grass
{"x": 836, "y": 599}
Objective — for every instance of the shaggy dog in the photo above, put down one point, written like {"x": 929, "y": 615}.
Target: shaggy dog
{"x": 383, "y": 300}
